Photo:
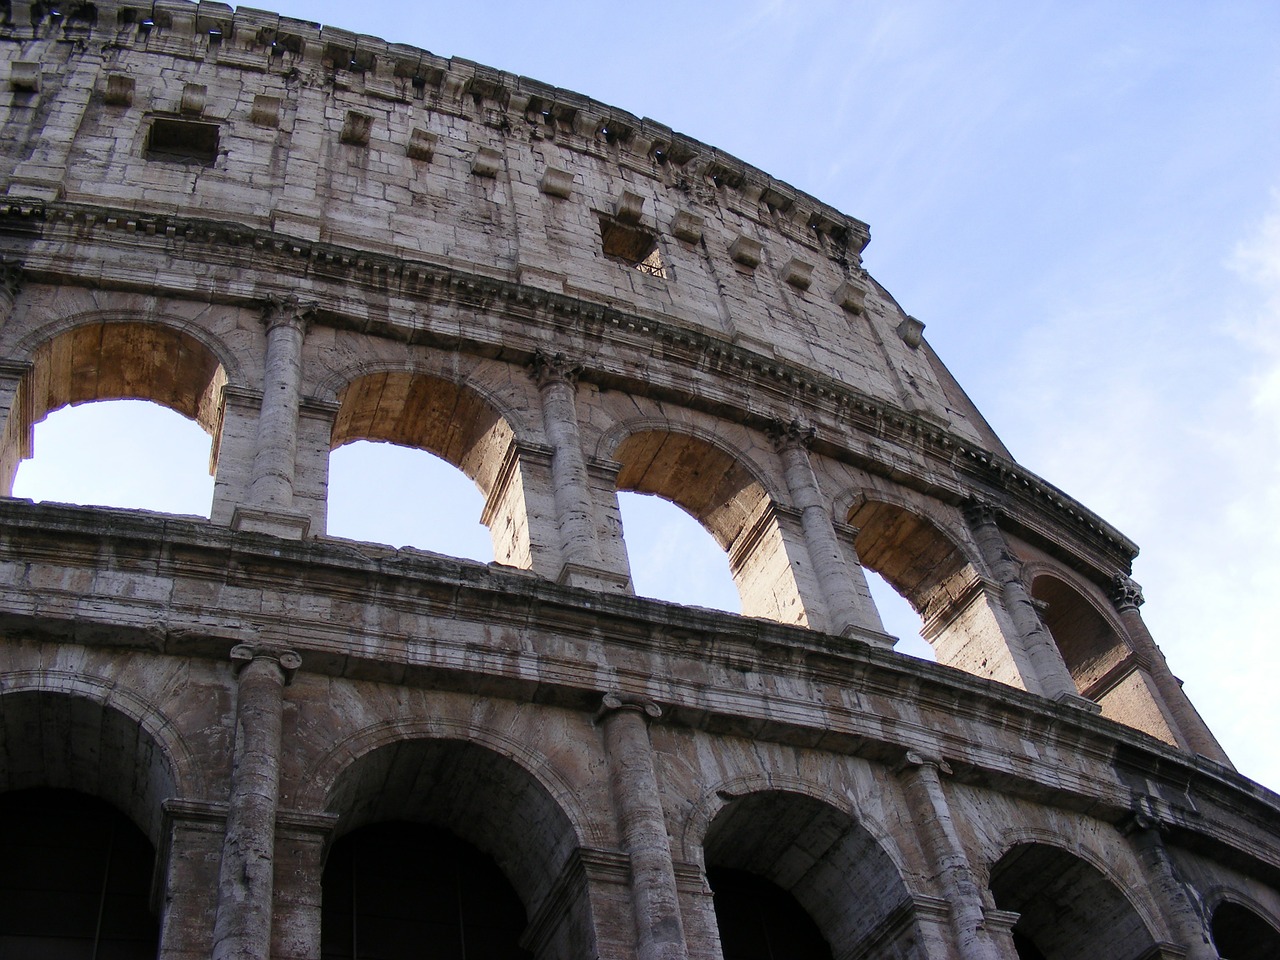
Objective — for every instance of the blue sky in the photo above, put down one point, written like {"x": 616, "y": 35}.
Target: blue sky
{"x": 1082, "y": 203}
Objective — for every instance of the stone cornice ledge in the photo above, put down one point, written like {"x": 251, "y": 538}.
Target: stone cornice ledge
{"x": 463, "y": 591}
{"x": 1025, "y": 497}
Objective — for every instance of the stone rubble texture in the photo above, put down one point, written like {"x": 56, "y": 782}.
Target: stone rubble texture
{"x": 388, "y": 245}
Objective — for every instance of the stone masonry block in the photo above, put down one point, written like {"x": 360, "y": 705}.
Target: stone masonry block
{"x": 746, "y": 251}
{"x": 487, "y": 162}
{"x": 119, "y": 91}
{"x": 193, "y": 98}
{"x": 422, "y": 145}
{"x": 629, "y": 207}
{"x": 25, "y": 76}
{"x": 356, "y": 128}
{"x": 265, "y": 111}
{"x": 851, "y": 296}
{"x": 686, "y": 226}
{"x": 798, "y": 273}
{"x": 557, "y": 183}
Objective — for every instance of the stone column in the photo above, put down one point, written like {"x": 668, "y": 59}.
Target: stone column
{"x": 1180, "y": 908}
{"x": 846, "y": 610}
{"x": 931, "y": 816}
{"x": 582, "y": 565}
{"x": 633, "y": 782}
{"x": 15, "y": 415}
{"x": 270, "y": 493}
{"x": 242, "y": 927}
{"x": 1046, "y": 660}
{"x": 1192, "y": 730}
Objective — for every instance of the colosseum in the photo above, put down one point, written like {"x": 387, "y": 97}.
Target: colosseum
{"x": 239, "y": 737}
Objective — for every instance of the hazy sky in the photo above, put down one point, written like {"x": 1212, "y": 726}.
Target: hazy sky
{"x": 1082, "y": 203}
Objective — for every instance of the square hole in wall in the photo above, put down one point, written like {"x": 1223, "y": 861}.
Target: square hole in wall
{"x": 633, "y": 245}
{"x": 182, "y": 141}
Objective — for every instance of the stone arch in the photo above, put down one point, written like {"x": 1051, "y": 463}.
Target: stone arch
{"x": 730, "y": 496}
{"x": 115, "y": 356}
{"x": 460, "y": 423}
{"x": 68, "y": 731}
{"x": 808, "y": 844}
{"x": 1070, "y": 902}
{"x": 1094, "y": 649}
{"x": 1242, "y": 929}
{"x": 442, "y": 774}
{"x": 935, "y": 568}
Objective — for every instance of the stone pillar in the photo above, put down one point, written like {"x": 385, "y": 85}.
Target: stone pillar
{"x": 242, "y": 928}
{"x": 581, "y": 562}
{"x": 1192, "y": 730}
{"x": 15, "y": 415}
{"x": 299, "y": 867}
{"x": 190, "y": 838}
{"x": 1051, "y": 672}
{"x": 1181, "y": 910}
{"x": 270, "y": 494}
{"x": 633, "y": 782}
{"x": 846, "y": 607}
{"x": 931, "y": 816}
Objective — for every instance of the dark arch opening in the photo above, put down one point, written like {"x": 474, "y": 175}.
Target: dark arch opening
{"x": 758, "y": 920}
{"x": 1240, "y": 934}
{"x": 1067, "y": 908}
{"x": 76, "y": 879}
{"x": 824, "y": 862}
{"x": 391, "y": 889}
{"x": 486, "y": 800}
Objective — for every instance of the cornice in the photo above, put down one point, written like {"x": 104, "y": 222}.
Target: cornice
{"x": 1035, "y": 507}
{"x": 263, "y": 42}
{"x": 463, "y": 592}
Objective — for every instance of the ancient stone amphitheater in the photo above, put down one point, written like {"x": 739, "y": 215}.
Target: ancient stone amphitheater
{"x": 239, "y": 737}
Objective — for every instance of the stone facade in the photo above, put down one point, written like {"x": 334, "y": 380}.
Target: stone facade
{"x": 300, "y": 237}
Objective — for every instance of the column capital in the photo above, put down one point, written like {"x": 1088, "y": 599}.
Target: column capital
{"x": 628, "y": 703}
{"x": 792, "y": 435}
{"x": 914, "y": 759}
{"x": 288, "y": 310}
{"x": 242, "y": 654}
{"x": 1125, "y": 593}
{"x": 557, "y": 367}
{"x": 978, "y": 513}
{"x": 12, "y": 275}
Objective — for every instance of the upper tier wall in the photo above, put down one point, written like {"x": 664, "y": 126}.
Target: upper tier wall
{"x": 323, "y": 135}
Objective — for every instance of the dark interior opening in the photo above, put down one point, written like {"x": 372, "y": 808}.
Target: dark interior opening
{"x": 183, "y": 141}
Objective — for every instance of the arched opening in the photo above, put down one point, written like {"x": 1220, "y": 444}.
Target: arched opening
{"x": 1067, "y": 907}
{"x": 75, "y": 743}
{"x": 75, "y": 880}
{"x": 456, "y": 424}
{"x": 821, "y": 860}
{"x": 724, "y": 497}
{"x": 391, "y": 888}
{"x": 673, "y": 557}
{"x": 407, "y": 480}
{"x": 119, "y": 453}
{"x": 1240, "y": 934}
{"x": 486, "y": 801}
{"x": 758, "y": 920}
{"x": 113, "y": 361}
{"x": 927, "y": 568}
{"x": 1100, "y": 662}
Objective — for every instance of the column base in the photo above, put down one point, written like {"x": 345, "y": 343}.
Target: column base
{"x": 589, "y": 578}
{"x": 1079, "y": 702}
{"x": 278, "y": 523}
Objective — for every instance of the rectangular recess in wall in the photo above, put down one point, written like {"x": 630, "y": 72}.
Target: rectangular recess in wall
{"x": 182, "y": 141}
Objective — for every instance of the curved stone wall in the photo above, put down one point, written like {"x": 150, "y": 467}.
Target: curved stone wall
{"x": 299, "y": 237}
